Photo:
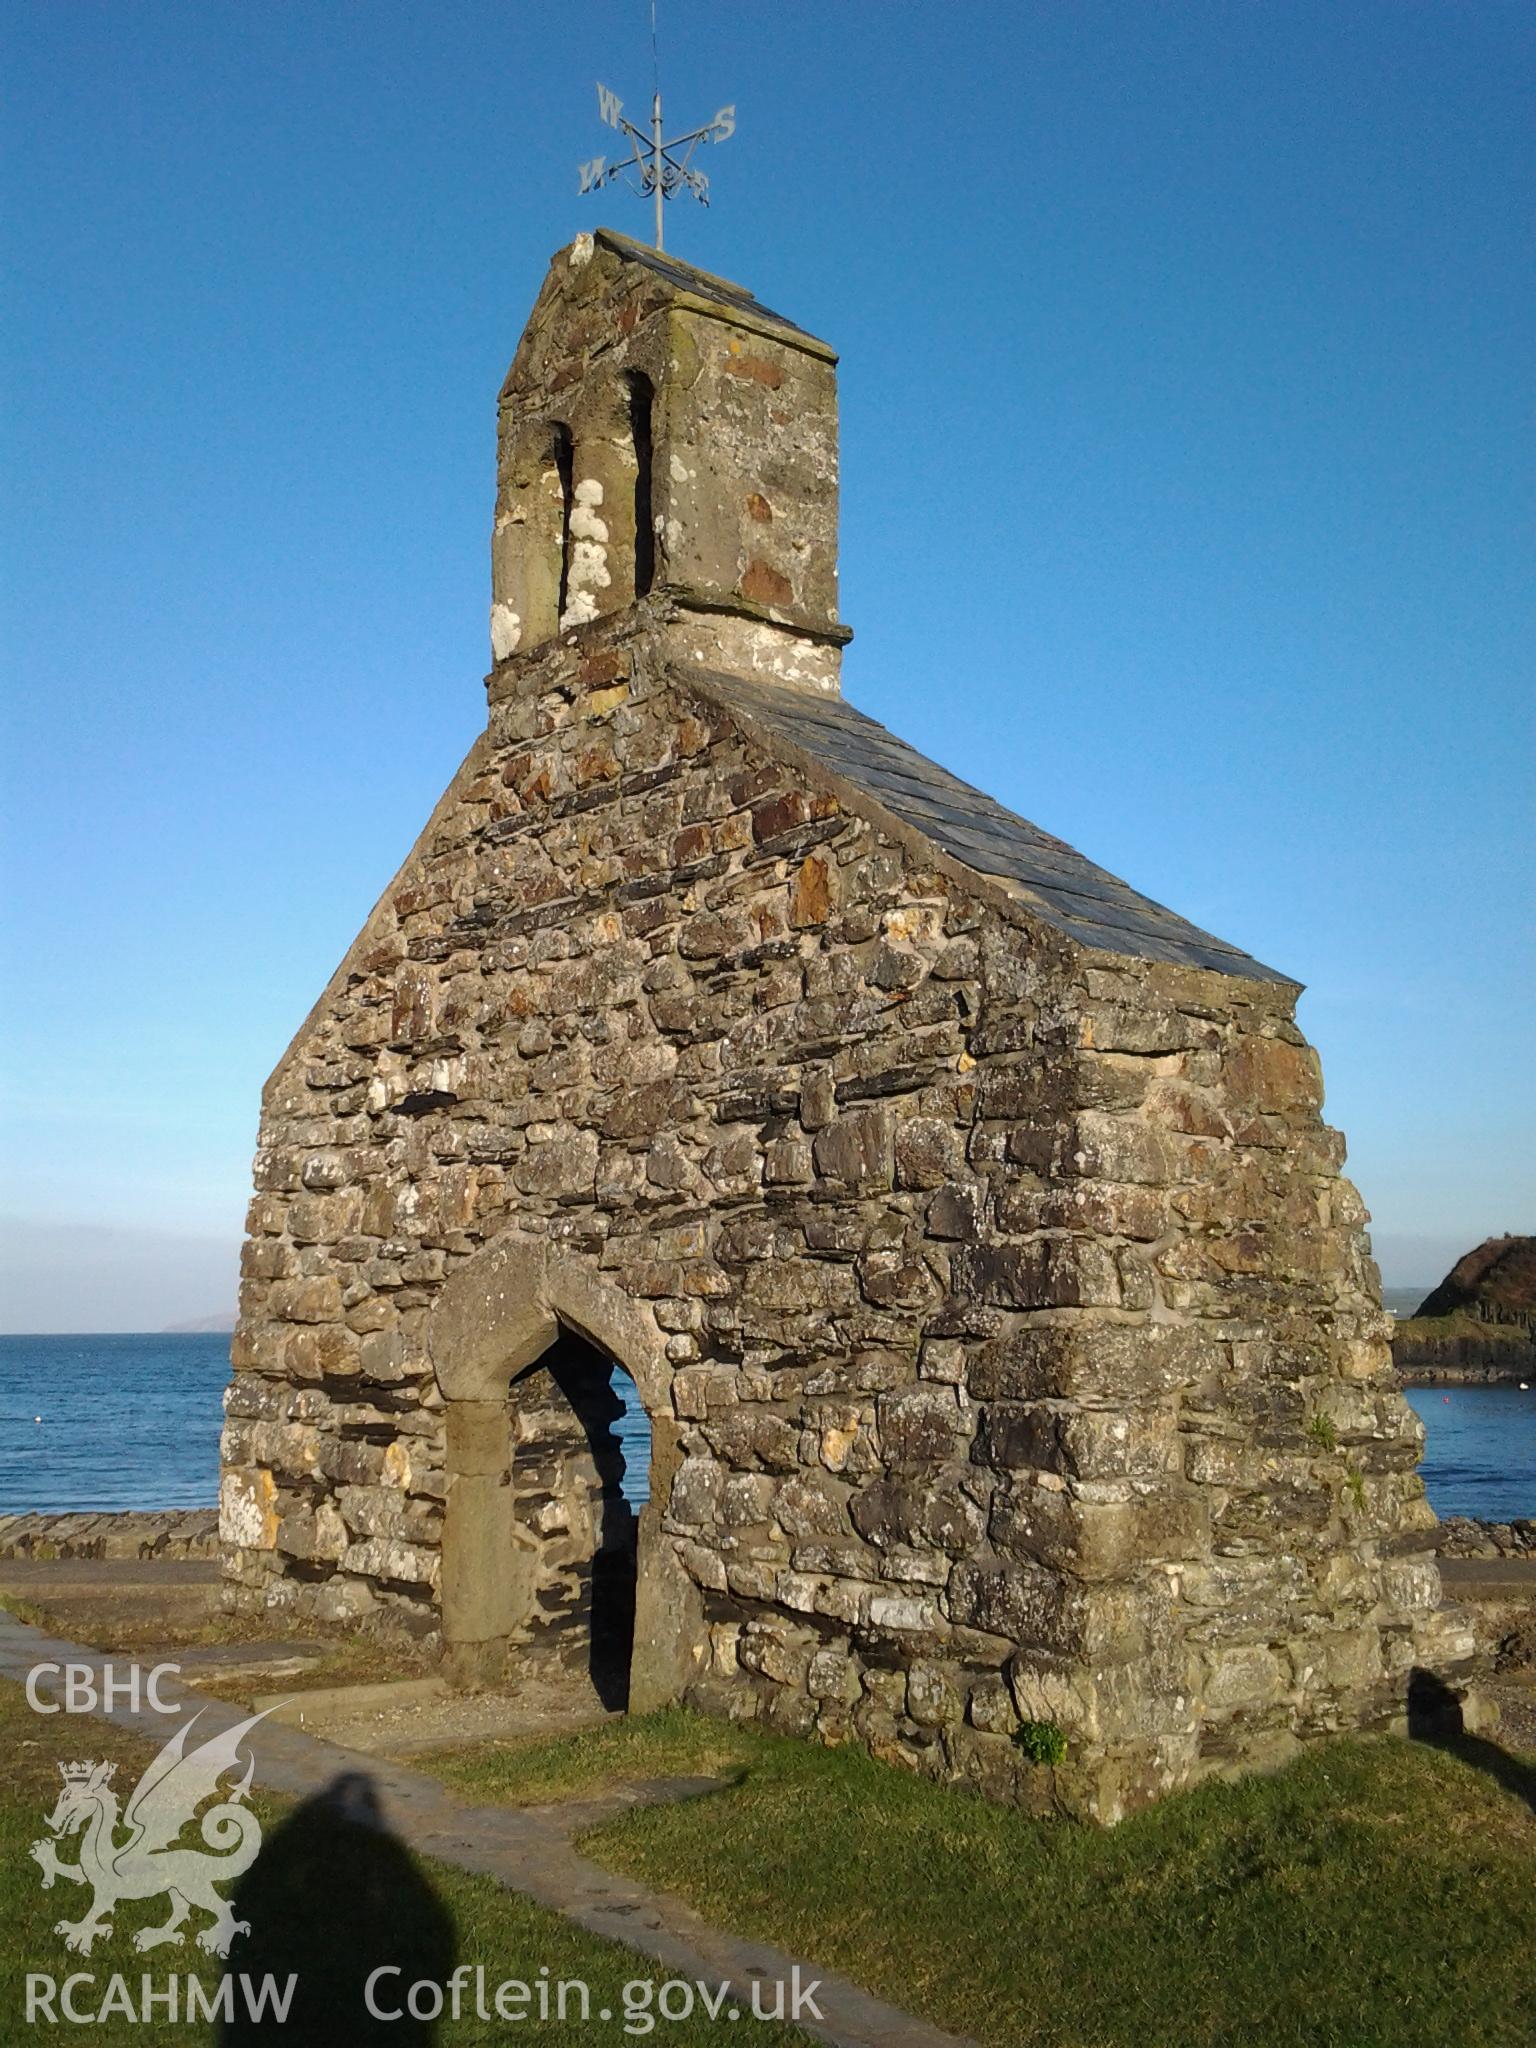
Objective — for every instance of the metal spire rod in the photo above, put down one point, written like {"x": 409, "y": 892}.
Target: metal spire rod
{"x": 656, "y": 150}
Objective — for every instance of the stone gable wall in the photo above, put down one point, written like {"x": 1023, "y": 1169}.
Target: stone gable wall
{"x": 1025, "y": 1357}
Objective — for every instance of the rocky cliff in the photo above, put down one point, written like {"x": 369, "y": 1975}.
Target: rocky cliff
{"x": 1480, "y": 1322}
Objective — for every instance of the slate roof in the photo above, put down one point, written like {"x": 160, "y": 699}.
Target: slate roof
{"x": 1051, "y": 878}
{"x": 703, "y": 284}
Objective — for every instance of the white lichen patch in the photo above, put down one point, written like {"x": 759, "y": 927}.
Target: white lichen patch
{"x": 506, "y": 631}
{"x": 585, "y": 523}
{"x": 247, "y": 1515}
{"x": 788, "y": 661}
{"x": 913, "y": 924}
{"x": 681, "y": 473}
{"x": 587, "y": 572}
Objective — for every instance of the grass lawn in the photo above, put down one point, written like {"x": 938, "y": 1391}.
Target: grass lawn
{"x": 352, "y": 1660}
{"x": 325, "y": 1899}
{"x": 1377, "y": 1892}
{"x": 530, "y": 1770}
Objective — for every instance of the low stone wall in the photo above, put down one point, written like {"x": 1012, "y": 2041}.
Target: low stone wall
{"x": 1501, "y": 1605}
{"x": 171, "y": 1534}
{"x": 1452, "y": 1374}
{"x": 1462, "y": 1536}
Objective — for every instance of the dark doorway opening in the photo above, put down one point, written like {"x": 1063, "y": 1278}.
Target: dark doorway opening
{"x": 574, "y": 1498}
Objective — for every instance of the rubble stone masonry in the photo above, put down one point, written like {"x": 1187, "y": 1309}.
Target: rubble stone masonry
{"x": 1010, "y": 1343}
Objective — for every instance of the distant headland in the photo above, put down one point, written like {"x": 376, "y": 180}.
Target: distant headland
{"x": 1479, "y": 1324}
{"x": 204, "y": 1324}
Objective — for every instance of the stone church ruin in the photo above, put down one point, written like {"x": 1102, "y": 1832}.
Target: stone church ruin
{"x": 964, "y": 1223}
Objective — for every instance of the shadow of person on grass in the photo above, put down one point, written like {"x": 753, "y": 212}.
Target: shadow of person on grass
{"x": 333, "y": 1897}
{"x": 1435, "y": 1717}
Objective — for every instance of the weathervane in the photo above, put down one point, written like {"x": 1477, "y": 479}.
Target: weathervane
{"x": 661, "y": 172}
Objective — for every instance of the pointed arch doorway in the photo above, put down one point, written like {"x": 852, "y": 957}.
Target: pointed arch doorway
{"x": 547, "y": 1551}
{"x": 576, "y": 1446}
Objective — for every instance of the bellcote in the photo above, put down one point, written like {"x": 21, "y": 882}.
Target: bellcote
{"x": 664, "y": 441}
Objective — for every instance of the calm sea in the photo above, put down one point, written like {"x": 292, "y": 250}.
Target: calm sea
{"x": 1479, "y": 1450}
{"x": 110, "y": 1422}
{"x": 133, "y": 1422}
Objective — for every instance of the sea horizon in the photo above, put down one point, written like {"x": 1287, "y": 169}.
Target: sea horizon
{"x": 122, "y": 1421}
{"x": 107, "y": 1422}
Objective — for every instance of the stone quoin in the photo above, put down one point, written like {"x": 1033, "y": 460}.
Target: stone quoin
{"x": 965, "y": 1221}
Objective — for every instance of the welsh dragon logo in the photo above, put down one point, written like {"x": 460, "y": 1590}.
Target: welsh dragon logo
{"x": 135, "y": 1854}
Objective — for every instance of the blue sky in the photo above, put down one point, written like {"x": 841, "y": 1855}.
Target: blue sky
{"x": 1187, "y": 378}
